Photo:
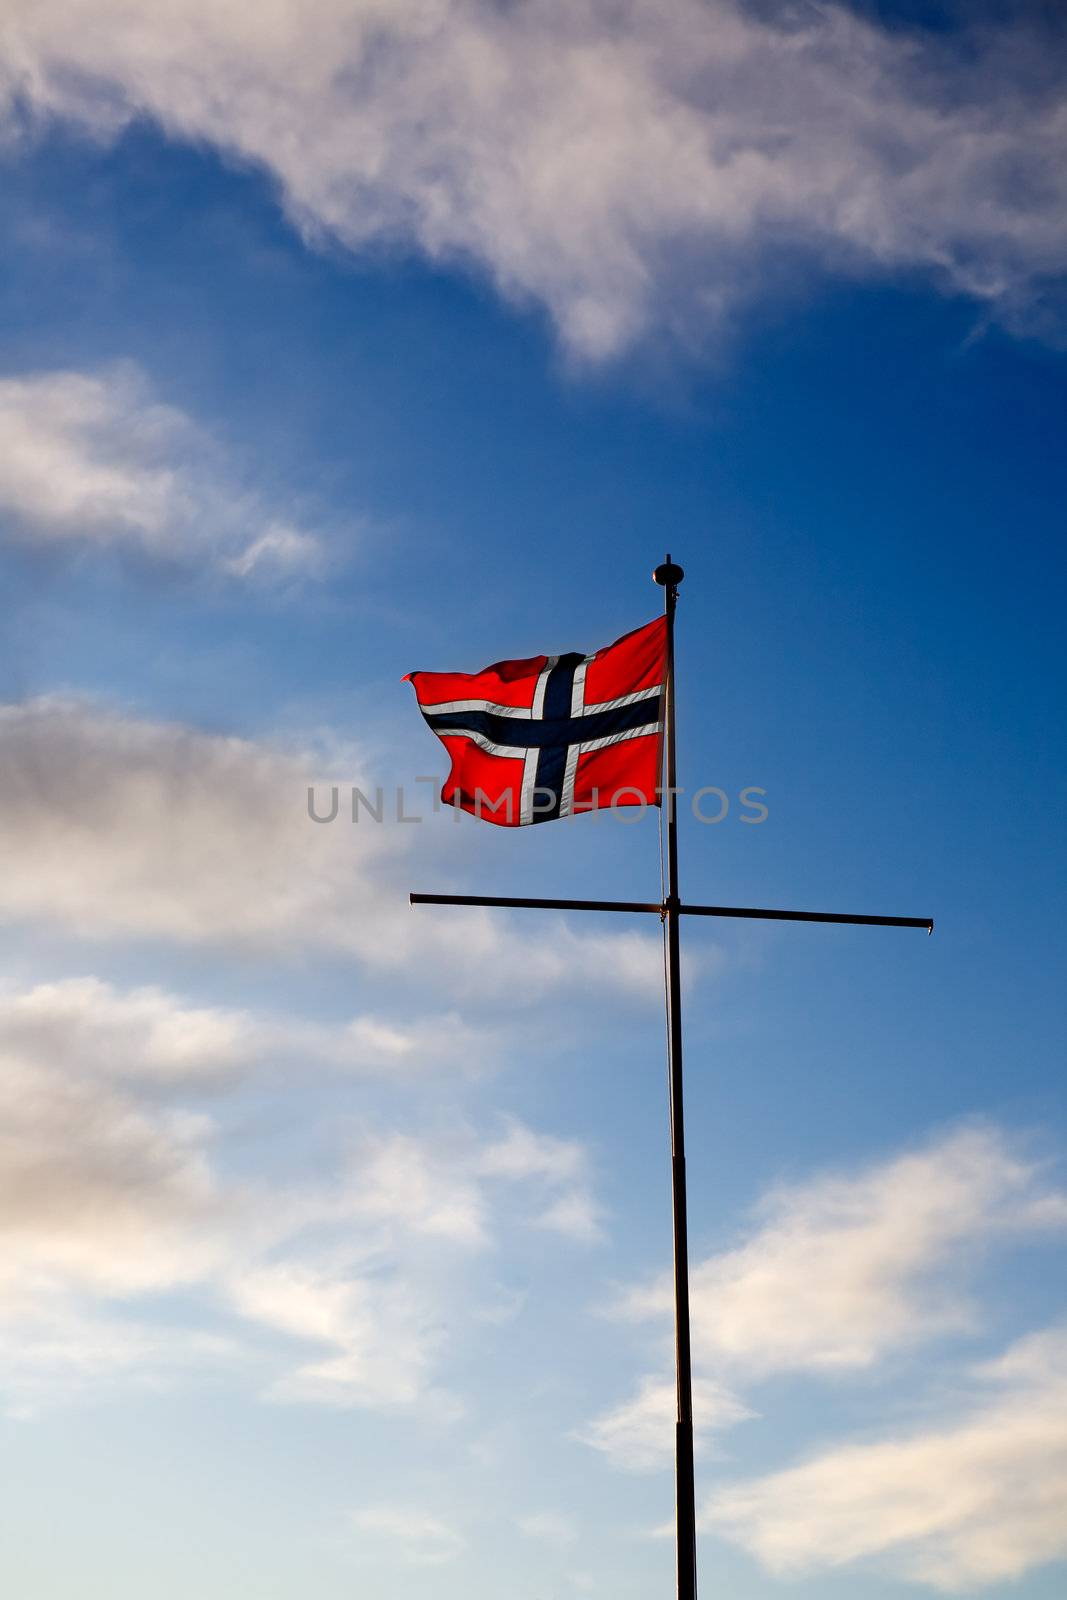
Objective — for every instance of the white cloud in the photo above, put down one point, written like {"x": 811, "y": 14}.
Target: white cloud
{"x": 522, "y": 1154}
{"x": 149, "y": 1036}
{"x": 444, "y": 1187}
{"x": 388, "y": 1045}
{"x": 380, "y": 1332}
{"x": 842, "y": 1270}
{"x": 350, "y": 1288}
{"x": 976, "y": 1500}
{"x": 143, "y": 1033}
{"x": 552, "y": 1527}
{"x": 115, "y": 827}
{"x": 408, "y": 1219}
{"x": 59, "y": 1352}
{"x": 95, "y": 458}
{"x": 85, "y": 1030}
{"x": 639, "y": 1434}
{"x": 576, "y": 1215}
{"x": 118, "y": 828}
{"x": 417, "y": 1536}
{"x": 98, "y": 1192}
{"x": 280, "y": 549}
{"x": 625, "y": 166}
{"x": 424, "y": 1188}
{"x": 103, "y": 1202}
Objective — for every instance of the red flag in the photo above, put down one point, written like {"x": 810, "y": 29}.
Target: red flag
{"x": 548, "y": 737}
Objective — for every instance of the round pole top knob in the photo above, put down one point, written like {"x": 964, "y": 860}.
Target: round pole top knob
{"x": 668, "y": 574}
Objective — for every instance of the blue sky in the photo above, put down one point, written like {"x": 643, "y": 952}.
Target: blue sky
{"x": 345, "y": 340}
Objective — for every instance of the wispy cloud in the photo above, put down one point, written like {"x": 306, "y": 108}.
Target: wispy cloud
{"x": 144, "y": 1034}
{"x": 836, "y": 1275}
{"x": 95, "y": 458}
{"x": 149, "y": 1036}
{"x": 639, "y": 1434}
{"x": 652, "y": 165}
{"x": 60, "y": 1350}
{"x": 418, "y": 1536}
{"x": 412, "y": 1215}
{"x": 974, "y": 1500}
{"x": 376, "y": 1336}
{"x": 556, "y": 1165}
{"x": 840, "y": 1271}
{"x": 552, "y": 1527}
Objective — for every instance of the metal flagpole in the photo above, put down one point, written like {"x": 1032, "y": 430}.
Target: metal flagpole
{"x": 670, "y": 575}
{"x": 671, "y": 910}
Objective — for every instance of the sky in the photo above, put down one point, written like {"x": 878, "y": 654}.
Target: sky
{"x": 348, "y": 339}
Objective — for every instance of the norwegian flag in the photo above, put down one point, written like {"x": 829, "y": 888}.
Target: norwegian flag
{"x": 548, "y": 737}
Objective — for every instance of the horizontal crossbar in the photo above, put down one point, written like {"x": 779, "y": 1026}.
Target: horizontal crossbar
{"x": 809, "y": 916}
{"x": 535, "y": 905}
{"x": 660, "y": 908}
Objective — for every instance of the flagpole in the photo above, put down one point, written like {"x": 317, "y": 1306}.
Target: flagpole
{"x": 669, "y": 576}
{"x": 671, "y": 910}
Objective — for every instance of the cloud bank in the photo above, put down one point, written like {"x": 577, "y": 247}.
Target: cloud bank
{"x": 150, "y": 1037}
{"x": 121, "y": 1224}
{"x": 629, "y": 167}
{"x": 838, "y": 1275}
{"x": 867, "y": 1263}
{"x": 974, "y": 1501}
{"x": 95, "y": 459}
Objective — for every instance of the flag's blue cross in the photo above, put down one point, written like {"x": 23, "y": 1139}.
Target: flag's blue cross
{"x": 550, "y": 735}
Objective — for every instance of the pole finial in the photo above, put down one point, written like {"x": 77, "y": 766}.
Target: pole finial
{"x": 668, "y": 574}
